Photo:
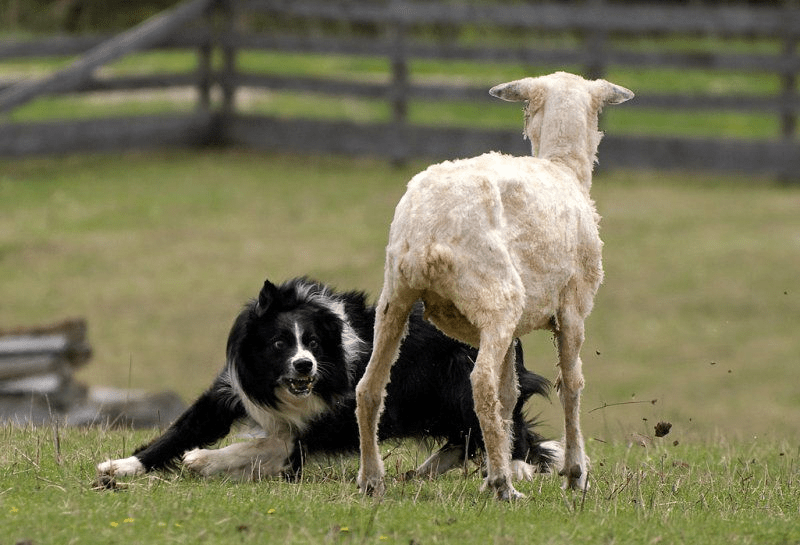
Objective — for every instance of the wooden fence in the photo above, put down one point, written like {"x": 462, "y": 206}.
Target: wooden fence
{"x": 401, "y": 32}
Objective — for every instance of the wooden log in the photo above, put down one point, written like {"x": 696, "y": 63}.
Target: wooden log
{"x": 51, "y": 350}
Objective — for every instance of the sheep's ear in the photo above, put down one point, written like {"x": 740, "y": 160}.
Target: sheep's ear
{"x": 517, "y": 91}
{"x": 265, "y": 297}
{"x": 610, "y": 93}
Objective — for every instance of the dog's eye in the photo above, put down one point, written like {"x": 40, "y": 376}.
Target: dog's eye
{"x": 279, "y": 344}
{"x": 313, "y": 342}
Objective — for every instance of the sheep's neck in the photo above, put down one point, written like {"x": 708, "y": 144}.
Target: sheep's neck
{"x": 572, "y": 146}
{"x": 573, "y": 162}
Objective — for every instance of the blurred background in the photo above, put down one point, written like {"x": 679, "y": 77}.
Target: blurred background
{"x": 158, "y": 160}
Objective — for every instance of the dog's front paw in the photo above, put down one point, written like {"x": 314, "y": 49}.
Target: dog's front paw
{"x": 122, "y": 467}
{"x": 202, "y": 461}
{"x": 522, "y": 471}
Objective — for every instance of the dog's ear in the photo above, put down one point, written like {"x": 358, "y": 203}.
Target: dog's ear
{"x": 266, "y": 297}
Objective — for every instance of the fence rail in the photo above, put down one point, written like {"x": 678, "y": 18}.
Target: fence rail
{"x": 400, "y": 31}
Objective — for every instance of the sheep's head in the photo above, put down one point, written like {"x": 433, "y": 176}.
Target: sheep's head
{"x": 561, "y": 115}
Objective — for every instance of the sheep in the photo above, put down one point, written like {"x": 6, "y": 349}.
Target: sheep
{"x": 497, "y": 246}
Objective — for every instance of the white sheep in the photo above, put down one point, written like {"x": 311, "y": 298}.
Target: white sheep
{"x": 497, "y": 246}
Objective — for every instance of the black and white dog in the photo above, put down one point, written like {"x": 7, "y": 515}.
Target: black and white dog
{"x": 294, "y": 357}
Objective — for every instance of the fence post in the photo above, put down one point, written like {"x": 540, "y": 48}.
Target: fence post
{"x": 594, "y": 42}
{"x": 398, "y": 93}
{"x": 205, "y": 53}
{"x": 223, "y": 39}
{"x": 788, "y": 76}
{"x": 228, "y": 45}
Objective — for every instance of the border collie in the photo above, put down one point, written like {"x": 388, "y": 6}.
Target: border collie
{"x": 294, "y": 356}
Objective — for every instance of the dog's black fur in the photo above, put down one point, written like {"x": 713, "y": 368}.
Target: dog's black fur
{"x": 303, "y": 344}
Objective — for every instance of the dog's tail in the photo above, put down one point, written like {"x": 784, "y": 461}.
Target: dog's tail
{"x": 544, "y": 454}
{"x": 529, "y": 382}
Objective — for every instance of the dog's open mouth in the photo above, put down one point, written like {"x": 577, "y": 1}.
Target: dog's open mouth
{"x": 299, "y": 386}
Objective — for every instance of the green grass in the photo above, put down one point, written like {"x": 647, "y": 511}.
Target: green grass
{"x": 712, "y": 492}
{"x": 159, "y": 251}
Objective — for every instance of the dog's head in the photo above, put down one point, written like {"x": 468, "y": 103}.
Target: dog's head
{"x": 288, "y": 343}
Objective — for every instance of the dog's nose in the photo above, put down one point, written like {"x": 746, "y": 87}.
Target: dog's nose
{"x": 304, "y": 366}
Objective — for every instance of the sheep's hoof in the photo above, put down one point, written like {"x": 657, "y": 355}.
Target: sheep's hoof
{"x": 575, "y": 478}
{"x": 374, "y": 487}
{"x": 510, "y": 494}
{"x": 503, "y": 489}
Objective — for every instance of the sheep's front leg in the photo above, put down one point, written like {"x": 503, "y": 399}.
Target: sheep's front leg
{"x": 570, "y": 384}
{"x": 391, "y": 318}
{"x": 488, "y": 377}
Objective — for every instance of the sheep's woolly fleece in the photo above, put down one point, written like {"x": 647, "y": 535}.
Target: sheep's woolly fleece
{"x": 497, "y": 246}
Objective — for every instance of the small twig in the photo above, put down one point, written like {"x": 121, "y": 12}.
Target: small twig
{"x": 57, "y": 441}
{"x": 585, "y": 488}
{"x": 604, "y": 405}
{"x": 30, "y": 461}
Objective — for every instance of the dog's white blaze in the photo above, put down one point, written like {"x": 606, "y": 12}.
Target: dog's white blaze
{"x": 303, "y": 353}
{"x": 354, "y": 346}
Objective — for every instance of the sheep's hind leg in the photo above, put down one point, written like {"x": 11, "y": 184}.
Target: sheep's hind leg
{"x": 509, "y": 386}
{"x": 491, "y": 409}
{"x": 391, "y": 318}
{"x": 570, "y": 337}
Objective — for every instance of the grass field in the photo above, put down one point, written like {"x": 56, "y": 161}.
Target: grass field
{"x": 696, "y": 324}
{"x": 159, "y": 251}
{"x": 710, "y": 493}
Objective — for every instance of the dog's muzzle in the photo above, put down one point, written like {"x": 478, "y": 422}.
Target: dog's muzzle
{"x": 299, "y": 386}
